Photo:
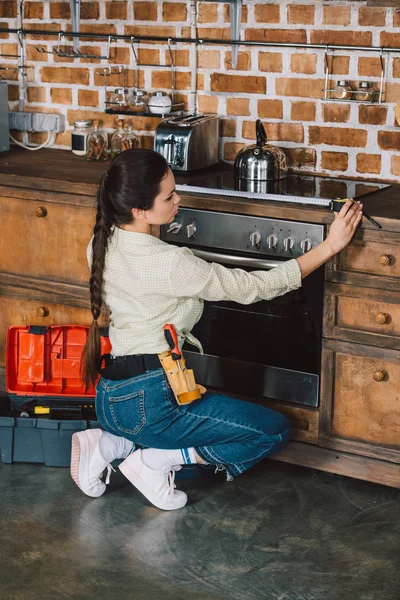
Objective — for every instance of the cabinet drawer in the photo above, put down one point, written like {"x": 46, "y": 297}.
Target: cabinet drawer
{"x": 15, "y": 311}
{"x": 361, "y": 399}
{"x": 363, "y": 315}
{"x": 45, "y": 239}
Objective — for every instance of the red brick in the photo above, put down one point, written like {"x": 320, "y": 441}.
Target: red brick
{"x": 162, "y": 79}
{"x": 145, "y": 11}
{"x": 371, "y": 16}
{"x": 13, "y": 92}
{"x": 334, "y": 161}
{"x": 301, "y": 157}
{"x": 116, "y": 10}
{"x": 36, "y": 94}
{"x": 150, "y": 30}
{"x": 369, "y": 163}
{"x": 238, "y": 106}
{"x": 303, "y": 88}
{"x": 389, "y": 140}
{"x": 61, "y": 95}
{"x": 267, "y": 13}
{"x": 227, "y": 127}
{"x": 369, "y": 66}
{"x": 8, "y": 9}
{"x": 90, "y": 11}
{"x": 43, "y": 27}
{"x": 270, "y": 62}
{"x": 391, "y": 40}
{"x": 344, "y": 38}
{"x": 303, "y": 111}
{"x": 208, "y": 104}
{"x": 120, "y": 55}
{"x": 338, "y": 136}
{"x": 270, "y": 109}
{"x": 368, "y": 114}
{"x": 243, "y": 61}
{"x": 276, "y": 35}
{"x": 336, "y": 113}
{"x": 302, "y": 14}
{"x": 287, "y": 132}
{"x": 174, "y": 11}
{"x": 88, "y": 98}
{"x": 216, "y": 33}
{"x": 338, "y": 65}
{"x": 227, "y": 14}
{"x": 246, "y": 84}
{"x": 392, "y": 92}
{"x": 149, "y": 56}
{"x": 60, "y": 10}
{"x": 336, "y": 15}
{"x": 209, "y": 59}
{"x": 33, "y": 10}
{"x": 396, "y": 68}
{"x": 181, "y": 58}
{"x": 207, "y": 12}
{"x": 395, "y": 165}
{"x": 65, "y": 75}
{"x": 303, "y": 63}
{"x": 231, "y": 149}
{"x": 4, "y": 36}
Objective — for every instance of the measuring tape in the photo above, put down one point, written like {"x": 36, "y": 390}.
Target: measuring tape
{"x": 254, "y": 195}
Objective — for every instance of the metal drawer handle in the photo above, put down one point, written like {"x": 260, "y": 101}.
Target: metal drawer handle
{"x": 41, "y": 211}
{"x": 379, "y": 375}
{"x": 381, "y": 318}
{"x": 42, "y": 311}
{"x": 385, "y": 260}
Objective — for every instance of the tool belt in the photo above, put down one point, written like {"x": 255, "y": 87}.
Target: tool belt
{"x": 180, "y": 378}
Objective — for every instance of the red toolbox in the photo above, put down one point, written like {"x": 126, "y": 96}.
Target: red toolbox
{"x": 46, "y": 361}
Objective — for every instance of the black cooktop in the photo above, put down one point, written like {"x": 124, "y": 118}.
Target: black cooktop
{"x": 221, "y": 177}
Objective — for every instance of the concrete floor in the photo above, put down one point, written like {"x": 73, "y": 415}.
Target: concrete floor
{"x": 278, "y": 532}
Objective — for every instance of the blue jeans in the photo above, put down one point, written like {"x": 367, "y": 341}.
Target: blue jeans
{"x": 232, "y": 434}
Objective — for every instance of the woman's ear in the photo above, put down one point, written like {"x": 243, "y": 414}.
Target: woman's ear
{"x": 138, "y": 213}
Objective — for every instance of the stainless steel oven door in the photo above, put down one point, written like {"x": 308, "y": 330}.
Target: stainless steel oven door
{"x": 267, "y": 349}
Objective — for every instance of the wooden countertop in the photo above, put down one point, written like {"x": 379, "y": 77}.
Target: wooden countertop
{"x": 61, "y": 171}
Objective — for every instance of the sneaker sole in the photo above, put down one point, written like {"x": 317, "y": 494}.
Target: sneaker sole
{"x": 79, "y": 445}
{"x": 147, "y": 492}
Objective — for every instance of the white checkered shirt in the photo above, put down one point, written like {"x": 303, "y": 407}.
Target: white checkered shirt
{"x": 148, "y": 283}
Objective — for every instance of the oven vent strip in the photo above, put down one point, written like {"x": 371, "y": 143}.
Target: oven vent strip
{"x": 254, "y": 195}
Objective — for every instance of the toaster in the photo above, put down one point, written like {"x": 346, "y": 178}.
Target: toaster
{"x": 188, "y": 142}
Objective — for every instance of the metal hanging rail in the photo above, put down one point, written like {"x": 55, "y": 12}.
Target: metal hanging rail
{"x": 211, "y": 41}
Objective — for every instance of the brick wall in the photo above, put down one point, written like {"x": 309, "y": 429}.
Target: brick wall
{"x": 282, "y": 86}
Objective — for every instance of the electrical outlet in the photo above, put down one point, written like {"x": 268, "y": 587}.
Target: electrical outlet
{"x": 26, "y": 121}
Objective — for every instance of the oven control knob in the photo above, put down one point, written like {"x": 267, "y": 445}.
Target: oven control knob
{"x": 174, "y": 228}
{"x": 255, "y": 238}
{"x": 306, "y": 245}
{"x": 272, "y": 241}
{"x": 288, "y": 243}
{"x": 190, "y": 230}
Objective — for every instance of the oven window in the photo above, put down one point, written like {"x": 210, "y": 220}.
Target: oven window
{"x": 285, "y": 332}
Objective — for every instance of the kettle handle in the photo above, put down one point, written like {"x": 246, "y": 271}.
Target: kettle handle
{"x": 260, "y": 134}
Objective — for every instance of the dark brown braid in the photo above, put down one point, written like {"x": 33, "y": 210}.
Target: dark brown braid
{"x": 132, "y": 181}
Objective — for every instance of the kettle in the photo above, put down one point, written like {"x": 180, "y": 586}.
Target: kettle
{"x": 260, "y": 162}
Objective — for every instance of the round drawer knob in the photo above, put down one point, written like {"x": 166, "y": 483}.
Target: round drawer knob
{"x": 379, "y": 375}
{"x": 41, "y": 211}
{"x": 385, "y": 260}
{"x": 42, "y": 311}
{"x": 381, "y": 318}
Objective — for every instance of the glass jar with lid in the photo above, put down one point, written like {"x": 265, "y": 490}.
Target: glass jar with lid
{"x": 365, "y": 92}
{"x": 120, "y": 100}
{"x": 138, "y": 101}
{"x": 97, "y": 143}
{"x": 129, "y": 140}
{"x": 160, "y": 103}
{"x": 79, "y": 136}
{"x": 116, "y": 139}
{"x": 343, "y": 91}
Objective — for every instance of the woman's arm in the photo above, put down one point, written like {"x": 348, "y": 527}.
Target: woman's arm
{"x": 340, "y": 233}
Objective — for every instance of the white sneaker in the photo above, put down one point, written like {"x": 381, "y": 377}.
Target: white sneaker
{"x": 87, "y": 464}
{"x": 157, "y": 485}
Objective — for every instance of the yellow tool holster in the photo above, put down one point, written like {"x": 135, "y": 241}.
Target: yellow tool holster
{"x": 181, "y": 379}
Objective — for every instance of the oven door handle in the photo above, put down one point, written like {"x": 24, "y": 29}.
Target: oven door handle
{"x": 238, "y": 261}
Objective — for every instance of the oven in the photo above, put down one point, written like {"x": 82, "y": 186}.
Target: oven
{"x": 268, "y": 349}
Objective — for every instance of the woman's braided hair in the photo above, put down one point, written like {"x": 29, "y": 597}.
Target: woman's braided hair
{"x": 131, "y": 181}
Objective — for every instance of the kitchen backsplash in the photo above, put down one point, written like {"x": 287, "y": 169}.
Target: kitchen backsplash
{"x": 282, "y": 86}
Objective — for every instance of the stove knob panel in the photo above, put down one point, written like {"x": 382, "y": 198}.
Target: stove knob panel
{"x": 174, "y": 227}
{"x": 288, "y": 243}
{"x": 272, "y": 241}
{"x": 306, "y": 245}
{"x": 190, "y": 230}
{"x": 255, "y": 238}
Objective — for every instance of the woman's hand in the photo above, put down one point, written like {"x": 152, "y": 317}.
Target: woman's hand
{"x": 344, "y": 226}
